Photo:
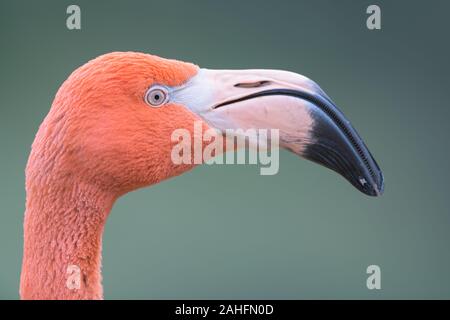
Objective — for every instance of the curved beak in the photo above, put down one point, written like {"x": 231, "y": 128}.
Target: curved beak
{"x": 309, "y": 123}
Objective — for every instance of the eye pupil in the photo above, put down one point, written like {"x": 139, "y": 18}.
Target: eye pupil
{"x": 157, "y": 97}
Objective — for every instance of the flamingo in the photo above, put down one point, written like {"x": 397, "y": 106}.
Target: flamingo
{"x": 108, "y": 133}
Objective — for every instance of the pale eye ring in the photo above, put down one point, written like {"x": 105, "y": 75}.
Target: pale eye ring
{"x": 156, "y": 96}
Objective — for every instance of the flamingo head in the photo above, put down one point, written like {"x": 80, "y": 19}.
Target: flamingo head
{"x": 112, "y": 120}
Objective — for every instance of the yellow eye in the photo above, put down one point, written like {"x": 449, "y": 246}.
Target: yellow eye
{"x": 156, "y": 96}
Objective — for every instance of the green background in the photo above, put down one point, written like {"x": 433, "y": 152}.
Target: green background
{"x": 225, "y": 231}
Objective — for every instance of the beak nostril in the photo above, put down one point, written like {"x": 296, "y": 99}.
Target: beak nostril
{"x": 255, "y": 84}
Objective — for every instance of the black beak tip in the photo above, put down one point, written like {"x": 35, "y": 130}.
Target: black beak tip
{"x": 374, "y": 189}
{"x": 338, "y": 155}
{"x": 369, "y": 182}
{"x": 336, "y": 144}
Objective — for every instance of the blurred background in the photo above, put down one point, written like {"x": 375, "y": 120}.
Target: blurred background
{"x": 225, "y": 231}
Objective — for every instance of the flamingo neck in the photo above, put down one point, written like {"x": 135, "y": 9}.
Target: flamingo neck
{"x": 62, "y": 241}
